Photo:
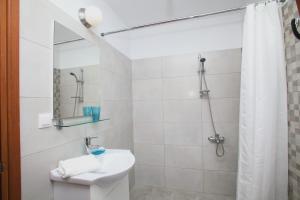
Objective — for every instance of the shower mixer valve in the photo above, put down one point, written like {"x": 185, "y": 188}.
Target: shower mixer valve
{"x": 216, "y": 139}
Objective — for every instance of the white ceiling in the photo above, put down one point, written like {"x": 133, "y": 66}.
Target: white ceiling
{"x": 137, "y": 12}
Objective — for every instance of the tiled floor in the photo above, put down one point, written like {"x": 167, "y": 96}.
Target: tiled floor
{"x": 152, "y": 193}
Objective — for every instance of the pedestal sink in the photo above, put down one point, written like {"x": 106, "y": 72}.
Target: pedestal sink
{"x": 109, "y": 183}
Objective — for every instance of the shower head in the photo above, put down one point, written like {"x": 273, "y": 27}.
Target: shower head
{"x": 202, "y": 60}
{"x": 73, "y": 74}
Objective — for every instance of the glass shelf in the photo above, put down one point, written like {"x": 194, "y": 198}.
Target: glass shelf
{"x": 74, "y": 121}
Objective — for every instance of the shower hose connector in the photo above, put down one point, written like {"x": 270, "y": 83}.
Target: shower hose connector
{"x": 219, "y": 141}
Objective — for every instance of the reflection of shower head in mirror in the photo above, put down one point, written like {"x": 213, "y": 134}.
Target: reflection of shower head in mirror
{"x": 73, "y": 74}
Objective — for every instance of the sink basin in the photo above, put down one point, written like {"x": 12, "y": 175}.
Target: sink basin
{"x": 115, "y": 166}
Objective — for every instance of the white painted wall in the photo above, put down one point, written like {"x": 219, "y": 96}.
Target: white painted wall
{"x": 206, "y": 34}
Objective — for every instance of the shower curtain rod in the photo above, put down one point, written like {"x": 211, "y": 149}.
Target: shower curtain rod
{"x": 172, "y": 20}
{"x": 160, "y": 23}
{"x": 181, "y": 19}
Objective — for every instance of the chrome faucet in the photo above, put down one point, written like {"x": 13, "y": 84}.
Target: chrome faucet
{"x": 88, "y": 141}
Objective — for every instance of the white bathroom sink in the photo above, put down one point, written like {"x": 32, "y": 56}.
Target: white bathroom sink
{"x": 115, "y": 165}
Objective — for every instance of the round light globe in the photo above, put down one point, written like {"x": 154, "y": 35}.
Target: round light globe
{"x": 93, "y": 15}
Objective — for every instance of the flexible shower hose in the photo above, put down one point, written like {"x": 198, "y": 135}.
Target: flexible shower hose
{"x": 220, "y": 148}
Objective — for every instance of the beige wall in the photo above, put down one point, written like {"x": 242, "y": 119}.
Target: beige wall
{"x": 42, "y": 148}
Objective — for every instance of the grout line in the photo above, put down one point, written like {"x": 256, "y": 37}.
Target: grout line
{"x": 163, "y": 118}
{"x": 36, "y": 43}
{"x": 186, "y": 76}
{"x": 184, "y": 99}
{"x": 53, "y": 147}
{"x": 26, "y": 97}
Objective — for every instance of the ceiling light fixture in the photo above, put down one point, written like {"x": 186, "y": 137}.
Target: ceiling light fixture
{"x": 90, "y": 16}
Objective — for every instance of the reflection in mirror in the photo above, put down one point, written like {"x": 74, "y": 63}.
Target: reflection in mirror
{"x": 75, "y": 73}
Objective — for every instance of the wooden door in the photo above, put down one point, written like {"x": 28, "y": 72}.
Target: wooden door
{"x": 10, "y": 184}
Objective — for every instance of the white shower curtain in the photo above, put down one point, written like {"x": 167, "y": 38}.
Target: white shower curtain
{"x": 263, "y": 143}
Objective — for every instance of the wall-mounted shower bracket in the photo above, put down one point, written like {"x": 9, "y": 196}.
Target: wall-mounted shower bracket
{"x": 204, "y": 93}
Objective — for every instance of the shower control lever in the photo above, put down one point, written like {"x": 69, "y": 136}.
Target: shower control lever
{"x": 216, "y": 139}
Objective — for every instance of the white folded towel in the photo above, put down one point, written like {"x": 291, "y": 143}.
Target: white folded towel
{"x": 76, "y": 166}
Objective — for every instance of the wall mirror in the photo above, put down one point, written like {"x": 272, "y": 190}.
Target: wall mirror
{"x": 75, "y": 75}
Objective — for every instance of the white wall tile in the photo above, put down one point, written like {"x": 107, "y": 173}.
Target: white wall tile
{"x": 181, "y": 65}
{"x": 183, "y": 133}
{"x": 228, "y": 162}
{"x": 35, "y": 22}
{"x": 92, "y": 74}
{"x": 122, "y": 64}
{"x": 114, "y": 86}
{"x": 184, "y": 157}
{"x": 149, "y": 133}
{"x": 34, "y": 140}
{"x": 35, "y": 70}
{"x": 108, "y": 84}
{"x": 224, "y": 85}
{"x": 184, "y": 179}
{"x": 149, "y": 154}
{"x": 147, "y": 111}
{"x": 187, "y": 123}
{"x": 224, "y": 110}
{"x": 219, "y": 182}
{"x": 35, "y": 170}
{"x": 224, "y": 61}
{"x": 218, "y": 197}
{"x": 147, "y": 89}
{"x": 149, "y": 175}
{"x": 181, "y": 88}
{"x": 147, "y": 68}
{"x": 183, "y": 195}
{"x": 182, "y": 111}
{"x": 92, "y": 94}
{"x": 29, "y": 111}
{"x": 124, "y": 88}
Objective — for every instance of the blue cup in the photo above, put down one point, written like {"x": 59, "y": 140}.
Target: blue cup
{"x": 87, "y": 111}
{"x": 96, "y": 113}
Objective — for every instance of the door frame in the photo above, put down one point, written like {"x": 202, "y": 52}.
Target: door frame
{"x": 10, "y": 183}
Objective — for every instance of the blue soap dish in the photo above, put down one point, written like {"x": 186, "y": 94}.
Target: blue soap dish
{"x": 98, "y": 151}
{"x": 95, "y": 150}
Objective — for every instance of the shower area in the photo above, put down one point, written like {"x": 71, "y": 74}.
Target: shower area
{"x": 186, "y": 115}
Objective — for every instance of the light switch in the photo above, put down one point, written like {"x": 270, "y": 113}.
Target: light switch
{"x": 45, "y": 120}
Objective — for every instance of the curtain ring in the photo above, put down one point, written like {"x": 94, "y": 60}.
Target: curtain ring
{"x": 294, "y": 24}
